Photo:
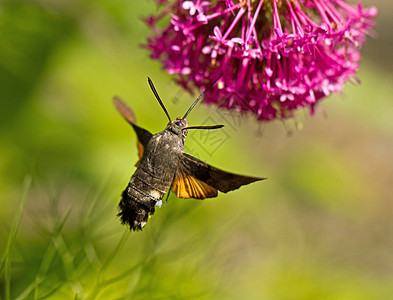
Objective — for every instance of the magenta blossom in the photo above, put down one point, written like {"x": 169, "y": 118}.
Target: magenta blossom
{"x": 275, "y": 56}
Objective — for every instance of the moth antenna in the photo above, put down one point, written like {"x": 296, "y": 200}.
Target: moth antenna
{"x": 204, "y": 127}
{"x": 200, "y": 96}
{"x": 158, "y": 97}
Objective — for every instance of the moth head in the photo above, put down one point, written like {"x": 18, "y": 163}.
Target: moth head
{"x": 178, "y": 126}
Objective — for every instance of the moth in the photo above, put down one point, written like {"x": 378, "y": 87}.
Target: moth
{"x": 164, "y": 167}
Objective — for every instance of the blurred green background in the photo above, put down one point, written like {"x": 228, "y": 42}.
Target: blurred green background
{"x": 321, "y": 227}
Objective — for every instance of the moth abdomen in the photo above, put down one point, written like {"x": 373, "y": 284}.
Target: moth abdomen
{"x": 135, "y": 208}
{"x": 134, "y": 214}
{"x": 139, "y": 200}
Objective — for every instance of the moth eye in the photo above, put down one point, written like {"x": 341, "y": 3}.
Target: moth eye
{"x": 178, "y": 123}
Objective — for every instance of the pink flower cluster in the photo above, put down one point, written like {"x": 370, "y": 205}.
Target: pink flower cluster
{"x": 275, "y": 55}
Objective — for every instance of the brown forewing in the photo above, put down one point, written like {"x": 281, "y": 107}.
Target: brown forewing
{"x": 142, "y": 134}
{"x": 211, "y": 176}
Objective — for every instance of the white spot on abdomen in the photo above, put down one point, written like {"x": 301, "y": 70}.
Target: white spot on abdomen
{"x": 155, "y": 194}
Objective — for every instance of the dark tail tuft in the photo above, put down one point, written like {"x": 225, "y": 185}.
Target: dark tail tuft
{"x": 134, "y": 214}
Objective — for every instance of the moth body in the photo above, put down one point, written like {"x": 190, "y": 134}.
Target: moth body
{"x": 163, "y": 164}
{"x": 153, "y": 176}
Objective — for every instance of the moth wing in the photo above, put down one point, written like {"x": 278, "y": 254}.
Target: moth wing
{"x": 141, "y": 149}
{"x": 142, "y": 134}
{"x": 185, "y": 185}
{"x": 213, "y": 177}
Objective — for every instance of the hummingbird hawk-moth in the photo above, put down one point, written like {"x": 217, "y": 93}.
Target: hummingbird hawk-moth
{"x": 163, "y": 165}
